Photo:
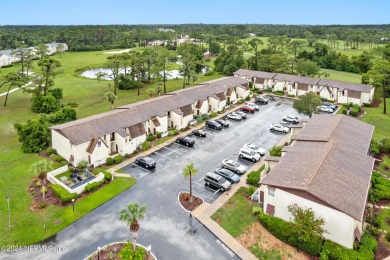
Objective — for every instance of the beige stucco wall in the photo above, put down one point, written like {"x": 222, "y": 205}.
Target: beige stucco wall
{"x": 185, "y": 120}
{"x": 366, "y": 97}
{"x": 99, "y": 154}
{"x": 61, "y": 144}
{"x": 279, "y": 86}
{"x": 175, "y": 120}
{"x": 339, "y": 226}
{"x": 233, "y": 96}
{"x": 292, "y": 90}
{"x": 345, "y": 99}
{"x": 301, "y": 92}
{"x": 324, "y": 93}
{"x": 242, "y": 93}
{"x": 203, "y": 109}
{"x": 163, "y": 124}
{"x": 213, "y": 104}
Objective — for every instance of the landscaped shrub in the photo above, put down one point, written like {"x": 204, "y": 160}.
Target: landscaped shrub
{"x": 172, "y": 132}
{"x": 63, "y": 162}
{"x": 375, "y": 147}
{"x": 276, "y": 151}
{"x": 51, "y": 151}
{"x": 385, "y": 145}
{"x": 127, "y": 155}
{"x": 253, "y": 177}
{"x": 366, "y": 104}
{"x": 57, "y": 158}
{"x": 43, "y": 190}
{"x": 344, "y": 111}
{"x": 240, "y": 101}
{"x": 290, "y": 95}
{"x": 380, "y": 189}
{"x": 150, "y": 137}
{"x": 93, "y": 186}
{"x": 146, "y": 145}
{"x": 354, "y": 112}
{"x": 213, "y": 114}
{"x": 268, "y": 89}
{"x": 279, "y": 92}
{"x": 199, "y": 118}
{"x": 282, "y": 230}
{"x": 118, "y": 159}
{"x": 182, "y": 129}
{"x": 109, "y": 161}
{"x": 388, "y": 237}
{"x": 107, "y": 176}
{"x": 128, "y": 253}
{"x": 82, "y": 164}
{"x": 38, "y": 184}
{"x": 247, "y": 98}
{"x": 42, "y": 205}
{"x": 256, "y": 210}
{"x": 205, "y": 116}
{"x": 209, "y": 73}
{"x": 159, "y": 134}
{"x": 63, "y": 194}
{"x": 251, "y": 190}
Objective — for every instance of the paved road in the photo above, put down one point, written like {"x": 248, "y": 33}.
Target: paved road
{"x": 169, "y": 229}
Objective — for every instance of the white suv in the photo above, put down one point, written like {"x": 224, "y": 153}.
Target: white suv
{"x": 253, "y": 105}
{"x": 255, "y": 148}
{"x": 248, "y": 154}
{"x": 279, "y": 128}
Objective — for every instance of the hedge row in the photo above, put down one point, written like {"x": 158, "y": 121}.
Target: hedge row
{"x": 380, "y": 189}
{"x": 93, "y": 186}
{"x": 63, "y": 194}
{"x": 253, "y": 177}
{"x": 282, "y": 230}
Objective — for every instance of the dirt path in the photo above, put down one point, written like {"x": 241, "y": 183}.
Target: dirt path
{"x": 257, "y": 234}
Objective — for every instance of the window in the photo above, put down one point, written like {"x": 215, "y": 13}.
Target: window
{"x": 112, "y": 136}
{"x": 99, "y": 143}
{"x": 271, "y": 192}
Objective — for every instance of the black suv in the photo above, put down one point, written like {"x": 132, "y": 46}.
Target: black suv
{"x": 222, "y": 122}
{"x": 145, "y": 161}
{"x": 213, "y": 124}
{"x": 185, "y": 141}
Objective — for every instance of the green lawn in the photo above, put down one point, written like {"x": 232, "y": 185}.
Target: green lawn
{"x": 15, "y": 165}
{"x": 381, "y": 121}
{"x": 236, "y": 215}
{"x": 56, "y": 218}
{"x": 384, "y": 167}
{"x": 383, "y": 218}
{"x": 343, "y": 76}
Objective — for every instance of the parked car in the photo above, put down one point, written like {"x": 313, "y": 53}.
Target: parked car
{"x": 253, "y": 105}
{"x": 248, "y": 154}
{"x": 242, "y": 114}
{"x": 192, "y": 122}
{"x": 187, "y": 141}
{"x": 199, "y": 132}
{"x": 261, "y": 100}
{"x": 234, "y": 166}
{"x": 326, "y": 109}
{"x": 213, "y": 124}
{"x": 284, "y": 123}
{"x": 217, "y": 181}
{"x": 234, "y": 116}
{"x": 228, "y": 175}
{"x": 255, "y": 148}
{"x": 145, "y": 161}
{"x": 222, "y": 122}
{"x": 247, "y": 109}
{"x": 279, "y": 128}
{"x": 331, "y": 105}
{"x": 292, "y": 119}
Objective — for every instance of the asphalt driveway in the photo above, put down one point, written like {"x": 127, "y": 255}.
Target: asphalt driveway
{"x": 171, "y": 231}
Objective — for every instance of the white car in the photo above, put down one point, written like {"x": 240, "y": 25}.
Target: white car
{"x": 292, "y": 119}
{"x": 253, "y": 105}
{"x": 233, "y": 166}
{"x": 234, "y": 116}
{"x": 255, "y": 148}
{"x": 242, "y": 114}
{"x": 279, "y": 128}
{"x": 248, "y": 154}
{"x": 326, "y": 109}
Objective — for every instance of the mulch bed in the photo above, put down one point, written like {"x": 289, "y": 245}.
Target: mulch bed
{"x": 383, "y": 250}
{"x": 185, "y": 202}
{"x": 34, "y": 190}
{"x": 115, "y": 249}
{"x": 375, "y": 103}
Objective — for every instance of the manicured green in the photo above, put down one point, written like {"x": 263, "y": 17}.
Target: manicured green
{"x": 343, "y": 76}
{"x": 63, "y": 194}
{"x": 236, "y": 215}
{"x": 56, "y": 218}
{"x": 375, "y": 116}
{"x": 163, "y": 140}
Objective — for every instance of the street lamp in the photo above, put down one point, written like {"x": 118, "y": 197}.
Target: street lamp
{"x": 98, "y": 252}
{"x": 9, "y": 214}
{"x": 73, "y": 204}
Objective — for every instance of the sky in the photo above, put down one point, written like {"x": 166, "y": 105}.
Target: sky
{"x": 82, "y": 12}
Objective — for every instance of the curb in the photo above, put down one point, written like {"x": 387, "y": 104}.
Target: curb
{"x": 89, "y": 256}
{"x": 178, "y": 199}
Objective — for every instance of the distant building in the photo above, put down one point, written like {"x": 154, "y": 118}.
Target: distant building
{"x": 166, "y": 30}
{"x": 252, "y": 35}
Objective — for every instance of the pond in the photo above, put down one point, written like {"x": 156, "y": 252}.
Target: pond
{"x": 92, "y": 74}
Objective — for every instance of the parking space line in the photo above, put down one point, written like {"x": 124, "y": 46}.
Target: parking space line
{"x": 143, "y": 175}
{"x": 163, "y": 155}
{"x": 171, "y": 150}
{"x": 183, "y": 146}
{"x": 216, "y": 192}
{"x": 199, "y": 184}
{"x": 201, "y": 179}
{"x": 140, "y": 167}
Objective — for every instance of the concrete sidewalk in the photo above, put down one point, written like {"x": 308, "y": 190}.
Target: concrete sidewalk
{"x": 204, "y": 212}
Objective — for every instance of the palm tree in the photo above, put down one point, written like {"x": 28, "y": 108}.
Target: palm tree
{"x": 189, "y": 171}
{"x": 159, "y": 86}
{"x": 132, "y": 214}
{"x": 110, "y": 98}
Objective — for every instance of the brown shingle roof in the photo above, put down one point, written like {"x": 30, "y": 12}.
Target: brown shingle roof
{"x": 273, "y": 158}
{"x": 199, "y": 104}
{"x": 254, "y": 73}
{"x": 330, "y": 162}
{"x": 137, "y": 130}
{"x": 229, "y": 92}
{"x": 354, "y": 94}
{"x": 221, "y": 96}
{"x": 93, "y": 143}
{"x": 85, "y": 129}
{"x": 345, "y": 85}
{"x": 155, "y": 121}
{"x": 187, "y": 110}
{"x": 293, "y": 78}
{"x": 303, "y": 86}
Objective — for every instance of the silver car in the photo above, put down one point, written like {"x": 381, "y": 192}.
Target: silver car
{"x": 234, "y": 116}
{"x": 242, "y": 114}
{"x": 217, "y": 181}
{"x": 234, "y": 166}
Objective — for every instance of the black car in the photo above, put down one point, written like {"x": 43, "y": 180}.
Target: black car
{"x": 199, "y": 133}
{"x": 228, "y": 175}
{"x": 222, "y": 122}
{"x": 145, "y": 161}
{"x": 185, "y": 141}
{"x": 261, "y": 100}
{"x": 213, "y": 124}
